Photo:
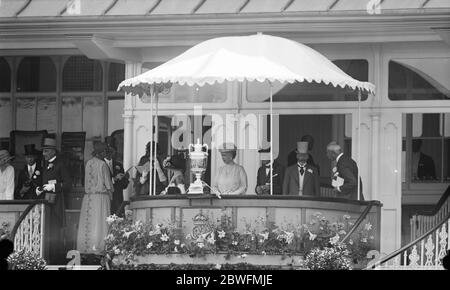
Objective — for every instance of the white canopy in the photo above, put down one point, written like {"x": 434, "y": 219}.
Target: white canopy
{"x": 256, "y": 57}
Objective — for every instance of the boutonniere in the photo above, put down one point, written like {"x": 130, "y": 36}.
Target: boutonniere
{"x": 117, "y": 167}
{"x": 275, "y": 175}
{"x": 50, "y": 166}
{"x": 334, "y": 169}
{"x": 310, "y": 170}
{"x": 37, "y": 173}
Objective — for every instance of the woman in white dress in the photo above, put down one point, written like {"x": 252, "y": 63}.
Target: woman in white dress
{"x": 231, "y": 178}
{"x": 6, "y": 176}
{"x": 95, "y": 207}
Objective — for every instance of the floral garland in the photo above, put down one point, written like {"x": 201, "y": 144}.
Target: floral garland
{"x": 184, "y": 267}
{"x": 129, "y": 239}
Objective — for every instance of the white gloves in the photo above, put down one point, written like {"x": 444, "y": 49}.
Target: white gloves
{"x": 46, "y": 187}
{"x": 143, "y": 178}
{"x": 38, "y": 192}
{"x": 49, "y": 187}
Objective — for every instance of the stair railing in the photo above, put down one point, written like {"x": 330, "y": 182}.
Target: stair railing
{"x": 28, "y": 232}
{"x": 424, "y": 253}
{"x": 421, "y": 223}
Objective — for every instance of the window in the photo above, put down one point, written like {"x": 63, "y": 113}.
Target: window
{"x": 116, "y": 75}
{"x": 419, "y": 79}
{"x": 426, "y": 148}
{"x": 115, "y": 111}
{"x": 5, "y": 76}
{"x": 81, "y": 74}
{"x": 36, "y": 113}
{"x": 6, "y": 117}
{"x": 36, "y": 74}
{"x": 312, "y": 92}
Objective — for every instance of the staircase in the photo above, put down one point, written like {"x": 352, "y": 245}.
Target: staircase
{"x": 430, "y": 241}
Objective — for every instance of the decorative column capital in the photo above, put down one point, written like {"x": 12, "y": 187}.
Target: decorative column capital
{"x": 375, "y": 116}
{"x": 128, "y": 118}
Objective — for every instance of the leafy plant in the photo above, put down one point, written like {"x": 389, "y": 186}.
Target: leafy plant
{"x": 24, "y": 260}
{"x": 329, "y": 258}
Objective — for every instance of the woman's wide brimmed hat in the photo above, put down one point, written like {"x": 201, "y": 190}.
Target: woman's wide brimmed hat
{"x": 227, "y": 147}
{"x": 5, "y": 157}
{"x": 49, "y": 143}
{"x": 30, "y": 150}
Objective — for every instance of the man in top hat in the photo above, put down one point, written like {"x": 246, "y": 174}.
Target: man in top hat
{"x": 292, "y": 157}
{"x": 6, "y": 176}
{"x": 119, "y": 178}
{"x": 56, "y": 182}
{"x": 30, "y": 177}
{"x": 345, "y": 173}
{"x": 263, "y": 177}
{"x": 301, "y": 178}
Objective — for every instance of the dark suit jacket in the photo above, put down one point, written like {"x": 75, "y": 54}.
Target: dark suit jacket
{"x": 263, "y": 178}
{"x": 348, "y": 170}
{"x": 59, "y": 173}
{"x": 119, "y": 186}
{"x": 311, "y": 184}
{"x": 34, "y": 181}
{"x": 292, "y": 159}
{"x": 426, "y": 168}
{"x": 144, "y": 189}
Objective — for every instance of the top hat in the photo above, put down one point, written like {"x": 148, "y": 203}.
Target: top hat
{"x": 49, "y": 143}
{"x": 5, "y": 157}
{"x": 99, "y": 147}
{"x": 30, "y": 149}
{"x": 110, "y": 142}
{"x": 227, "y": 147}
{"x": 302, "y": 147}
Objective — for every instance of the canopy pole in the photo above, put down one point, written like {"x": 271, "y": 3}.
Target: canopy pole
{"x": 156, "y": 141}
{"x": 359, "y": 144}
{"x": 271, "y": 139}
{"x": 150, "y": 181}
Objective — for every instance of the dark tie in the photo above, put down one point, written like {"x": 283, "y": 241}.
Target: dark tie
{"x": 302, "y": 169}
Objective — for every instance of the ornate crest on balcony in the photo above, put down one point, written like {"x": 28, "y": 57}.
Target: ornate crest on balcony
{"x": 201, "y": 225}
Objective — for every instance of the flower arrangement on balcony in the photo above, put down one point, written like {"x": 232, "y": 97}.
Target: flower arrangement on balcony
{"x": 321, "y": 233}
{"x": 129, "y": 239}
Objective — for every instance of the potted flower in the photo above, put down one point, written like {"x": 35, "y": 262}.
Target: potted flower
{"x": 335, "y": 257}
{"x": 24, "y": 260}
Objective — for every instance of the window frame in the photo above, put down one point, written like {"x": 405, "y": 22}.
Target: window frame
{"x": 409, "y": 184}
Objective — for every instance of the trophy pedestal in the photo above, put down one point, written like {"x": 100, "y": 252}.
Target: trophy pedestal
{"x": 197, "y": 186}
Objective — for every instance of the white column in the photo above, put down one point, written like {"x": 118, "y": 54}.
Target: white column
{"x": 131, "y": 70}
{"x": 375, "y": 118}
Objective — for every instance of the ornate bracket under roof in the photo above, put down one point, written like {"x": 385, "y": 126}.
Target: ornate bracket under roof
{"x": 98, "y": 47}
